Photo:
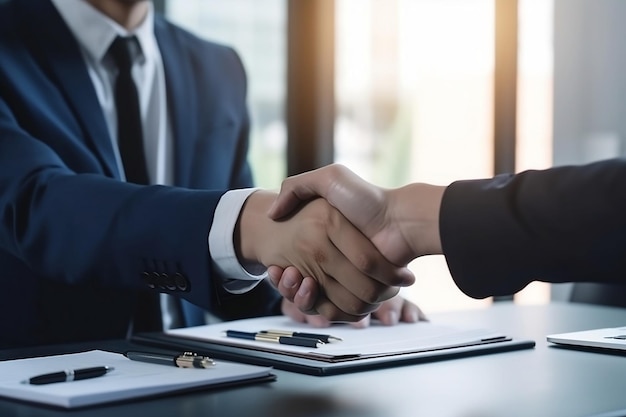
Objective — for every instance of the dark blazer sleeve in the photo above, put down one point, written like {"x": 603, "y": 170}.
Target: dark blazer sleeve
{"x": 564, "y": 224}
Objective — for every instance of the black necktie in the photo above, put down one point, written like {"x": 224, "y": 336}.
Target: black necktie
{"x": 124, "y": 51}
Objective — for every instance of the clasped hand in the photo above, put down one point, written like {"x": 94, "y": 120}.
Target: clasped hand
{"x": 390, "y": 219}
{"x": 318, "y": 241}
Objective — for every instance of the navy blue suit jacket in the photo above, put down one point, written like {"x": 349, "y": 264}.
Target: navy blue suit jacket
{"x": 76, "y": 243}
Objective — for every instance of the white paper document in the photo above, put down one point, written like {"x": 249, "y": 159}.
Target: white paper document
{"x": 374, "y": 341}
{"x": 129, "y": 379}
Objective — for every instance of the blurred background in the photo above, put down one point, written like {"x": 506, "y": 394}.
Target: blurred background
{"x": 425, "y": 90}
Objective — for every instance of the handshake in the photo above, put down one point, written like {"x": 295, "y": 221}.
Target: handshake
{"x": 346, "y": 243}
{"x": 351, "y": 241}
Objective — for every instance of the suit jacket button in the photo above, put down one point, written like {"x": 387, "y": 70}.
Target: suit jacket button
{"x": 169, "y": 281}
{"x": 181, "y": 282}
{"x": 149, "y": 280}
{"x": 159, "y": 280}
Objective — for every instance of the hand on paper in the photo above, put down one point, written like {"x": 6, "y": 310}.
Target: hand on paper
{"x": 390, "y": 312}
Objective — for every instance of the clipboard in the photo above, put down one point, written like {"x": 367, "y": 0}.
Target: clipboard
{"x": 129, "y": 380}
{"x": 360, "y": 349}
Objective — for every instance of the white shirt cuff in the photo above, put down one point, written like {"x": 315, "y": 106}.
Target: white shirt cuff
{"x": 237, "y": 278}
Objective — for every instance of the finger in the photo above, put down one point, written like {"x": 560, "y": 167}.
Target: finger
{"x": 307, "y": 296}
{"x": 317, "y": 321}
{"x": 289, "y": 283}
{"x": 364, "y": 260}
{"x": 333, "y": 314}
{"x": 344, "y": 285}
{"x": 274, "y": 274}
{"x": 362, "y": 253}
{"x": 324, "y": 261}
{"x": 363, "y": 323}
{"x": 290, "y": 310}
{"x": 341, "y": 295}
{"x": 361, "y": 202}
{"x": 399, "y": 309}
{"x": 311, "y": 301}
{"x": 296, "y": 190}
{"x": 409, "y": 314}
{"x": 330, "y": 258}
{"x": 390, "y": 311}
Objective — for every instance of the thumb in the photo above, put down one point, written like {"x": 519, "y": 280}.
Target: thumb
{"x": 298, "y": 189}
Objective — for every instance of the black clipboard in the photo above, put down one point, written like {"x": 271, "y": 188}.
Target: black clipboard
{"x": 323, "y": 368}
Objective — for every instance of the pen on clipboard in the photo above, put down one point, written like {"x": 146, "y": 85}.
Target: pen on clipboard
{"x": 326, "y": 338}
{"x": 184, "y": 360}
{"x": 273, "y": 338}
{"x": 69, "y": 375}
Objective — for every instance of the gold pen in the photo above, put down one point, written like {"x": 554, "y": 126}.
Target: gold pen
{"x": 326, "y": 338}
{"x": 184, "y": 360}
{"x": 276, "y": 338}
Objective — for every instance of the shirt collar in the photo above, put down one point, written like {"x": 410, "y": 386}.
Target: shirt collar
{"x": 95, "y": 31}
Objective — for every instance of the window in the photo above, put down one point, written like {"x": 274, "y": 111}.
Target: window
{"x": 534, "y": 104}
{"x": 414, "y": 96}
{"x": 414, "y": 90}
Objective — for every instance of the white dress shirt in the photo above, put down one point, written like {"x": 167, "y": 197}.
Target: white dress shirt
{"x": 95, "y": 32}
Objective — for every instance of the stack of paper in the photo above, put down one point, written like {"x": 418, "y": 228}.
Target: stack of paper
{"x": 375, "y": 341}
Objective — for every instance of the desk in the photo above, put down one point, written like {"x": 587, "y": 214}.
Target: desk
{"x": 544, "y": 381}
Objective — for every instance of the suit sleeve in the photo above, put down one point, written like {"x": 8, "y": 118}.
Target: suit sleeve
{"x": 88, "y": 229}
{"x": 564, "y": 224}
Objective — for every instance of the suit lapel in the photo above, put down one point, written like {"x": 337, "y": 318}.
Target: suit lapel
{"x": 178, "y": 79}
{"x": 67, "y": 67}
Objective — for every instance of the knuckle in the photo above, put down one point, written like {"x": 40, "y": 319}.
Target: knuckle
{"x": 326, "y": 214}
{"x": 337, "y": 316}
{"x": 391, "y": 279}
{"x": 389, "y": 293}
{"x": 331, "y": 313}
{"x": 334, "y": 313}
{"x": 311, "y": 250}
{"x": 365, "y": 263}
{"x": 287, "y": 293}
{"x": 361, "y": 308}
{"x": 372, "y": 294}
{"x": 319, "y": 255}
{"x": 337, "y": 170}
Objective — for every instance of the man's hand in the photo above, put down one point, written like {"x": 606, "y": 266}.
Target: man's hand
{"x": 319, "y": 242}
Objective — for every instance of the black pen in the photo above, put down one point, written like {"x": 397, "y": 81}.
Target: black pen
{"x": 283, "y": 340}
{"x": 69, "y": 375}
{"x": 184, "y": 360}
{"x": 326, "y": 338}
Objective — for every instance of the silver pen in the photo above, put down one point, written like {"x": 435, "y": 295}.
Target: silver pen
{"x": 69, "y": 375}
